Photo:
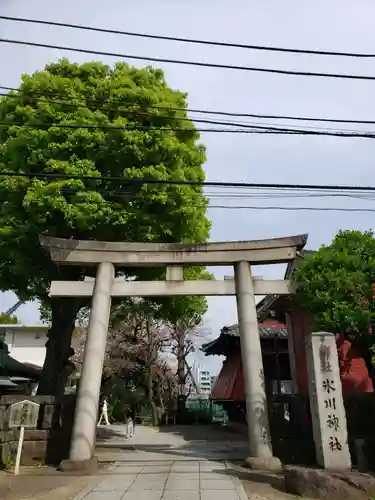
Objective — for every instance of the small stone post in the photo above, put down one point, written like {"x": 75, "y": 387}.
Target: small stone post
{"x": 261, "y": 456}
{"x": 326, "y": 402}
{"x": 82, "y": 446}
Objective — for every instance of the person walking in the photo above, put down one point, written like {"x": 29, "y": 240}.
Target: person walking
{"x": 129, "y": 423}
{"x": 133, "y": 414}
{"x": 104, "y": 413}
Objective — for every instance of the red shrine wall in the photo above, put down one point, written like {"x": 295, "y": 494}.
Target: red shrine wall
{"x": 229, "y": 385}
{"x": 354, "y": 373}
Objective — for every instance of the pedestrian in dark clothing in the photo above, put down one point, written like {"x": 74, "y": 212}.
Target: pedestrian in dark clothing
{"x": 129, "y": 424}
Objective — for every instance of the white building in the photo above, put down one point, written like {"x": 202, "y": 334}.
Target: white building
{"x": 26, "y": 343}
{"x": 205, "y": 383}
{"x": 202, "y": 380}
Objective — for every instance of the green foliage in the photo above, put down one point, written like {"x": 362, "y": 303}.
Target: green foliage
{"x": 6, "y": 319}
{"x": 93, "y": 94}
{"x": 186, "y": 312}
{"x": 336, "y": 284}
{"x": 121, "y": 395}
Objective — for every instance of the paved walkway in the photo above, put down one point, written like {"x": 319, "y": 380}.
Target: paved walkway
{"x": 176, "y": 480}
{"x": 207, "y": 442}
{"x": 175, "y": 463}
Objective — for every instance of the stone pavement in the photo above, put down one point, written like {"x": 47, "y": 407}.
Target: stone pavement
{"x": 167, "y": 480}
{"x": 45, "y": 483}
{"x": 200, "y": 442}
{"x": 173, "y": 463}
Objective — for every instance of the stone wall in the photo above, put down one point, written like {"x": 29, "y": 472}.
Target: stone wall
{"x": 49, "y": 442}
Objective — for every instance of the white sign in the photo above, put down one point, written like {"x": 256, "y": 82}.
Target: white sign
{"x": 24, "y": 414}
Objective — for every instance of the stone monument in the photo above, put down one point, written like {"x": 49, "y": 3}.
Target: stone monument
{"x": 326, "y": 402}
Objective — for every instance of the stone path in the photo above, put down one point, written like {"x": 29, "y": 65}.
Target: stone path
{"x": 170, "y": 443}
{"x": 174, "y": 463}
{"x": 45, "y": 483}
{"x": 176, "y": 480}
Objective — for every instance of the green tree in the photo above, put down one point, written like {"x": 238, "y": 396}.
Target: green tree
{"x": 6, "y": 319}
{"x": 337, "y": 285}
{"x": 42, "y": 137}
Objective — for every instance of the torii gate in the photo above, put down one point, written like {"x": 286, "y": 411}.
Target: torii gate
{"x": 174, "y": 256}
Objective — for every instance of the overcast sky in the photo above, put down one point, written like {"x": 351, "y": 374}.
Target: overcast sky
{"x": 337, "y": 25}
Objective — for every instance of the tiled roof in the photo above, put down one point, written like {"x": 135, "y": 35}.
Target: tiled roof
{"x": 220, "y": 345}
{"x": 266, "y": 330}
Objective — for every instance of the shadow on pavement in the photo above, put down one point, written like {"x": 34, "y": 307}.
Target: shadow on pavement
{"x": 272, "y": 480}
{"x": 209, "y": 432}
{"x": 108, "y": 432}
{"x": 200, "y": 442}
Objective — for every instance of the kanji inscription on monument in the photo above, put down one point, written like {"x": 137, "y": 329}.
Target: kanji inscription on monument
{"x": 326, "y": 401}
{"x": 24, "y": 414}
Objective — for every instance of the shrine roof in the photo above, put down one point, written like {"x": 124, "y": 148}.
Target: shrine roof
{"x": 266, "y": 330}
{"x": 229, "y": 335}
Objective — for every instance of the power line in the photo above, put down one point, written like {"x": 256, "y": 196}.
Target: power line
{"x": 208, "y": 206}
{"x": 244, "y": 195}
{"x": 283, "y": 196}
{"x": 253, "y": 129}
{"x": 276, "y": 207}
{"x": 188, "y": 40}
{"x": 311, "y": 187}
{"x": 189, "y": 63}
{"x": 308, "y": 209}
{"x": 236, "y": 207}
{"x": 137, "y": 113}
{"x": 135, "y": 198}
{"x": 145, "y": 128}
{"x": 188, "y": 110}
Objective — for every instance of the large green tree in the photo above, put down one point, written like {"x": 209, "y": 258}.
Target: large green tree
{"x": 46, "y": 133}
{"x": 337, "y": 285}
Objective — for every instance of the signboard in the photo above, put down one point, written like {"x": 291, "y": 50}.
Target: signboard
{"x": 24, "y": 414}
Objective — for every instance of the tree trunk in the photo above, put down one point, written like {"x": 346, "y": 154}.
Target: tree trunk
{"x": 162, "y": 406}
{"x": 57, "y": 366}
{"x": 151, "y": 401}
{"x": 181, "y": 378}
{"x": 150, "y": 362}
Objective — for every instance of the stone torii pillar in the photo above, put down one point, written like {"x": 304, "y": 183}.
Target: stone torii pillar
{"x": 107, "y": 255}
{"x": 261, "y": 456}
{"x": 87, "y": 405}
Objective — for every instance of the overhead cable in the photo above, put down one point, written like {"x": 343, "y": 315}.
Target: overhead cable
{"x": 116, "y": 194}
{"x": 126, "y": 180}
{"x": 250, "y": 129}
{"x": 117, "y": 103}
{"x": 189, "y": 40}
{"x": 188, "y": 63}
{"x": 135, "y": 113}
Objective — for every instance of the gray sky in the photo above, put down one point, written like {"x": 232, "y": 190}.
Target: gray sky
{"x": 342, "y": 25}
